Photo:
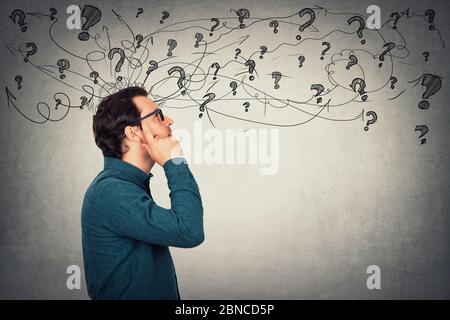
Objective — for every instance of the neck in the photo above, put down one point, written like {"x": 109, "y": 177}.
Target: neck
{"x": 143, "y": 162}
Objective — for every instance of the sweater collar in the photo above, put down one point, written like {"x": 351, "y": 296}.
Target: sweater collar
{"x": 127, "y": 170}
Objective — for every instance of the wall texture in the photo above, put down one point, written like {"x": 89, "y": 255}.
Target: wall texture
{"x": 343, "y": 198}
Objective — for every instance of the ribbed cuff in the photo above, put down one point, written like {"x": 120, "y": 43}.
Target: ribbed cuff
{"x": 174, "y": 165}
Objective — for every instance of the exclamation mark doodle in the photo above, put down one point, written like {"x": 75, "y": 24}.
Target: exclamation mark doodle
{"x": 430, "y": 13}
{"x": 277, "y": 76}
{"x": 92, "y": 15}
{"x": 433, "y": 84}
{"x": 251, "y": 68}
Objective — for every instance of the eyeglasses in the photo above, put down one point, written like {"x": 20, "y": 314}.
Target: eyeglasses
{"x": 156, "y": 112}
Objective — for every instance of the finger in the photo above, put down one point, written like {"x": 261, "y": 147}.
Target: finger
{"x": 173, "y": 140}
{"x": 148, "y": 135}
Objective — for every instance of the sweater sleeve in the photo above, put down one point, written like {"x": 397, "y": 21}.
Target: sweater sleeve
{"x": 131, "y": 213}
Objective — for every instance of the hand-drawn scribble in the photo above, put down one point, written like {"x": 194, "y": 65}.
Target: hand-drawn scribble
{"x": 216, "y": 65}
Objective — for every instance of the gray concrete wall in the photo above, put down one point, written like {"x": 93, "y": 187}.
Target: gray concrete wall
{"x": 343, "y": 198}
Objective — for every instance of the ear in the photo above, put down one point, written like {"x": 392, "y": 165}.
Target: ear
{"x": 133, "y": 134}
{"x": 140, "y": 134}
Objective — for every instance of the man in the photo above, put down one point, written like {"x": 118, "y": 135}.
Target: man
{"x": 125, "y": 234}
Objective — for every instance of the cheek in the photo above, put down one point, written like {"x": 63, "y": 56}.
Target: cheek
{"x": 141, "y": 136}
{"x": 156, "y": 127}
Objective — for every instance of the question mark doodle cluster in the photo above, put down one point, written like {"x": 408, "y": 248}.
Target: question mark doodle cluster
{"x": 315, "y": 63}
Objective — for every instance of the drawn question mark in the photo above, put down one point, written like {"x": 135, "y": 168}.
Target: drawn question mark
{"x": 172, "y": 45}
{"x": 393, "y": 81}
{"x": 210, "y": 97}
{"x": 214, "y": 26}
{"x": 390, "y": 46}
{"x": 164, "y": 17}
{"x": 94, "y": 74}
{"x": 242, "y": 14}
{"x": 371, "y": 121}
{"x": 84, "y": 101}
{"x": 328, "y": 46}
{"x": 119, "y": 64}
{"x": 274, "y": 24}
{"x": 352, "y": 62}
{"x": 319, "y": 88}
{"x": 31, "y": 52}
{"x": 139, "y": 39}
{"x": 426, "y": 54}
{"x": 238, "y": 52}
{"x": 396, "y": 17}
{"x": 246, "y": 106}
{"x": 63, "y": 64}
{"x": 251, "y": 67}
{"x": 153, "y": 66}
{"x": 140, "y": 10}
{"x": 53, "y": 12}
{"x": 312, "y": 17}
{"x": 58, "y": 102}
{"x": 21, "y": 15}
{"x": 433, "y": 84}
{"x": 362, "y": 86}
{"x": 361, "y": 23}
{"x": 92, "y": 15}
{"x": 233, "y": 86}
{"x": 263, "y": 50}
{"x": 423, "y": 131}
{"x": 217, "y": 66}
{"x": 430, "y": 13}
{"x": 199, "y": 38}
{"x": 277, "y": 76}
{"x": 18, "y": 79}
{"x": 180, "y": 79}
{"x": 301, "y": 59}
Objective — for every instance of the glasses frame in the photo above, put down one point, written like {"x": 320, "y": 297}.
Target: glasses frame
{"x": 158, "y": 111}
{"x": 135, "y": 122}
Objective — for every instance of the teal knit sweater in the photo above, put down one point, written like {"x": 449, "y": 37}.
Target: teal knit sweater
{"x": 126, "y": 235}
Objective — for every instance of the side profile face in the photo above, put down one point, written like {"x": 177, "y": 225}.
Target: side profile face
{"x": 159, "y": 128}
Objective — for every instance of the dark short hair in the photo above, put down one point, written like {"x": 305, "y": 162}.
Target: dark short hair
{"x": 113, "y": 114}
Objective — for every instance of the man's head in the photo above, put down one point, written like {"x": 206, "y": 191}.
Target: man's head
{"x": 117, "y": 126}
